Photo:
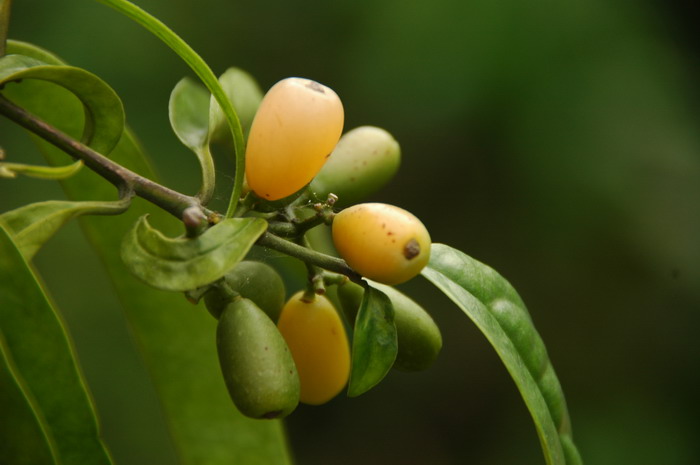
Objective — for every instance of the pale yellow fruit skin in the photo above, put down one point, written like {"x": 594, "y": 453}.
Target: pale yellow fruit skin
{"x": 381, "y": 242}
{"x": 295, "y": 129}
{"x": 319, "y": 345}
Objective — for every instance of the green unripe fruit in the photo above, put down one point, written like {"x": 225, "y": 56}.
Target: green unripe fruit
{"x": 419, "y": 337}
{"x": 256, "y": 363}
{"x": 364, "y": 160}
{"x": 253, "y": 280}
{"x": 245, "y": 96}
{"x": 350, "y": 297}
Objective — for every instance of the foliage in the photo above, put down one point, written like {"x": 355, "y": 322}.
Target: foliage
{"x": 39, "y": 93}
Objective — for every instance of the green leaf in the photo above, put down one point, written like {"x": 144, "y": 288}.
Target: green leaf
{"x": 10, "y": 170}
{"x": 104, "y": 113}
{"x": 497, "y": 310}
{"x": 245, "y": 95}
{"x": 200, "y": 67}
{"x": 176, "y": 341}
{"x": 374, "y": 344}
{"x": 189, "y": 113}
{"x": 189, "y": 117}
{"x": 4, "y": 23}
{"x": 21, "y": 429}
{"x": 39, "y": 353}
{"x": 182, "y": 264}
{"x": 34, "y": 224}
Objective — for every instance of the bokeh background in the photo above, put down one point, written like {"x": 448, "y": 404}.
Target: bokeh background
{"x": 558, "y": 142}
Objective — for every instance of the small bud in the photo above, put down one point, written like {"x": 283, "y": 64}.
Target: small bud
{"x": 195, "y": 221}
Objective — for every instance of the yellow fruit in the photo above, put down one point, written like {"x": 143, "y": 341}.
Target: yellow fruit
{"x": 319, "y": 345}
{"x": 381, "y": 242}
{"x": 295, "y": 129}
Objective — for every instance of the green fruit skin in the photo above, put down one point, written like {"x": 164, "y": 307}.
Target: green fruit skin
{"x": 256, "y": 363}
{"x": 419, "y": 337}
{"x": 364, "y": 160}
{"x": 245, "y": 95}
{"x": 253, "y": 280}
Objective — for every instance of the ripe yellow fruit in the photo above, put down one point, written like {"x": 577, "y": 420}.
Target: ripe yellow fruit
{"x": 381, "y": 242}
{"x": 319, "y": 345}
{"x": 295, "y": 129}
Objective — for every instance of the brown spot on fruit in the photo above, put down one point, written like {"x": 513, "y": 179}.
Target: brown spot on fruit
{"x": 315, "y": 86}
{"x": 411, "y": 249}
{"x": 271, "y": 415}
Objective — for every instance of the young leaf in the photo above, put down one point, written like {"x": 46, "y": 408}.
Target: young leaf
{"x": 245, "y": 95}
{"x": 202, "y": 424}
{"x": 182, "y": 264}
{"x": 104, "y": 113}
{"x": 189, "y": 117}
{"x": 34, "y": 224}
{"x": 42, "y": 357}
{"x": 189, "y": 111}
{"x": 374, "y": 344}
{"x": 200, "y": 67}
{"x": 497, "y": 310}
{"x": 10, "y": 170}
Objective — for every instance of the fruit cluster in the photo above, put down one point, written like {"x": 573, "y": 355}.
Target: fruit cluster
{"x": 273, "y": 354}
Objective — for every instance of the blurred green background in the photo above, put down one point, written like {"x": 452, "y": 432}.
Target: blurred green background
{"x": 556, "y": 141}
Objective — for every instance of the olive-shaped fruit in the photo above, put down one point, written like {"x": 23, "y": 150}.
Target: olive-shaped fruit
{"x": 381, "y": 242}
{"x": 364, "y": 160}
{"x": 256, "y": 363}
{"x": 418, "y": 336}
{"x": 297, "y": 125}
{"x": 245, "y": 96}
{"x": 253, "y": 280}
{"x": 319, "y": 344}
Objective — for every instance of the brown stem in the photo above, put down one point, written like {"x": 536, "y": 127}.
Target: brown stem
{"x": 169, "y": 200}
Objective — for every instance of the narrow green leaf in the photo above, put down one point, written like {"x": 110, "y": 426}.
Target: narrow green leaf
{"x": 498, "y": 311}
{"x": 5, "y": 6}
{"x": 42, "y": 172}
{"x": 189, "y": 118}
{"x": 22, "y": 427}
{"x": 176, "y": 341}
{"x": 374, "y": 344}
{"x": 200, "y": 67}
{"x": 104, "y": 113}
{"x": 183, "y": 263}
{"x": 43, "y": 357}
{"x": 245, "y": 95}
{"x": 34, "y": 224}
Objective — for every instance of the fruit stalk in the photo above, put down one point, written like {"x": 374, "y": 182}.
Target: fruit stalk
{"x": 310, "y": 256}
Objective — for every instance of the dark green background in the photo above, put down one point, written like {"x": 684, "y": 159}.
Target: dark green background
{"x": 556, "y": 141}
